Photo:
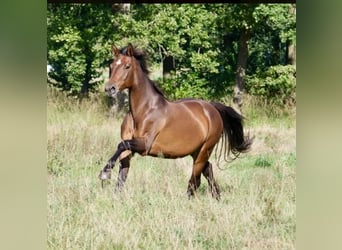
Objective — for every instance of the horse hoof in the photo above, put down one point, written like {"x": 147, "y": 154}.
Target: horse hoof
{"x": 190, "y": 194}
{"x": 105, "y": 175}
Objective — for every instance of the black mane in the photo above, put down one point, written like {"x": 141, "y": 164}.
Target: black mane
{"x": 140, "y": 55}
{"x": 157, "y": 89}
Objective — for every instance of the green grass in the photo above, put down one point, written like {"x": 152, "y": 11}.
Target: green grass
{"x": 257, "y": 208}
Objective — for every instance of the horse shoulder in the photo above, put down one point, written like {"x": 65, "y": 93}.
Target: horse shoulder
{"x": 127, "y": 127}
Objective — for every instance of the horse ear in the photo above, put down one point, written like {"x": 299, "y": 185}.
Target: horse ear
{"x": 130, "y": 50}
{"x": 115, "y": 50}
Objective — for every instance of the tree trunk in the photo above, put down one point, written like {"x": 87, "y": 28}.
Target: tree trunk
{"x": 87, "y": 75}
{"x": 121, "y": 7}
{"x": 291, "y": 48}
{"x": 241, "y": 69}
{"x": 291, "y": 54}
{"x": 168, "y": 66}
{"x": 85, "y": 84}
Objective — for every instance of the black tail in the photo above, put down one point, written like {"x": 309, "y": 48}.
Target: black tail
{"x": 233, "y": 131}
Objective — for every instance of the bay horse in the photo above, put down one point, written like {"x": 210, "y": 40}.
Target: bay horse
{"x": 158, "y": 127}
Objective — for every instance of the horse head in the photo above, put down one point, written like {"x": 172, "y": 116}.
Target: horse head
{"x": 122, "y": 70}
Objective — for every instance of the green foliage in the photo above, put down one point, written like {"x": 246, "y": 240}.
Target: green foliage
{"x": 279, "y": 17}
{"x": 263, "y": 161}
{"x": 277, "y": 84}
{"x": 186, "y": 32}
{"x": 202, "y": 39}
{"x": 77, "y": 45}
{"x": 186, "y": 85}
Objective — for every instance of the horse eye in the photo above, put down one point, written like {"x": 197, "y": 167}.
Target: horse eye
{"x": 127, "y": 66}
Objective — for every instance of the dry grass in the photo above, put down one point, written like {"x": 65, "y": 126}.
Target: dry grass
{"x": 257, "y": 210}
{"x": 273, "y": 140}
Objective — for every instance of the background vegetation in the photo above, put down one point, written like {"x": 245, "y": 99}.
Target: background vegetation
{"x": 196, "y": 50}
{"x": 209, "y": 51}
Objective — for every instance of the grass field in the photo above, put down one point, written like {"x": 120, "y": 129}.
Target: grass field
{"x": 257, "y": 208}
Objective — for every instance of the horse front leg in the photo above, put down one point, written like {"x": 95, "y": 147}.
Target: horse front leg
{"x": 127, "y": 131}
{"x": 133, "y": 145}
{"x": 105, "y": 173}
{"x": 125, "y": 159}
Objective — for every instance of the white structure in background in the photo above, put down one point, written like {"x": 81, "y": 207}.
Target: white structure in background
{"x": 48, "y": 68}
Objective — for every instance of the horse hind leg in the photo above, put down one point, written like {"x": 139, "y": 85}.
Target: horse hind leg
{"x": 200, "y": 159}
{"x": 194, "y": 183}
{"x": 208, "y": 174}
{"x": 203, "y": 166}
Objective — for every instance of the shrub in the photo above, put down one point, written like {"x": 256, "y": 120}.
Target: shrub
{"x": 277, "y": 84}
{"x": 186, "y": 85}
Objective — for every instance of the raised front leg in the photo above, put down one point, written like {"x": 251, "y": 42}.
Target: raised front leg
{"x": 134, "y": 145}
{"x": 105, "y": 173}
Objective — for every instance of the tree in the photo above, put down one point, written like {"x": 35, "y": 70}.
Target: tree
{"x": 78, "y": 38}
{"x": 291, "y": 37}
{"x": 205, "y": 50}
{"x": 180, "y": 38}
{"x": 257, "y": 30}
{"x": 243, "y": 22}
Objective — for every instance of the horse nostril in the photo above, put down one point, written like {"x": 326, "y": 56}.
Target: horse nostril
{"x": 111, "y": 90}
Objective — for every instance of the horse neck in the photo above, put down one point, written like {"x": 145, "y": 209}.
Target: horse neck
{"x": 143, "y": 97}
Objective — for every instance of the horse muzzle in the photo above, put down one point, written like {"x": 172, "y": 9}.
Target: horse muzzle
{"x": 111, "y": 90}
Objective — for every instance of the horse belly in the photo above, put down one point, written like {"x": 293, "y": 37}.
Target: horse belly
{"x": 178, "y": 141}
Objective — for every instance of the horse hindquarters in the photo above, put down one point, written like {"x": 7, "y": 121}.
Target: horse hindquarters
{"x": 201, "y": 157}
